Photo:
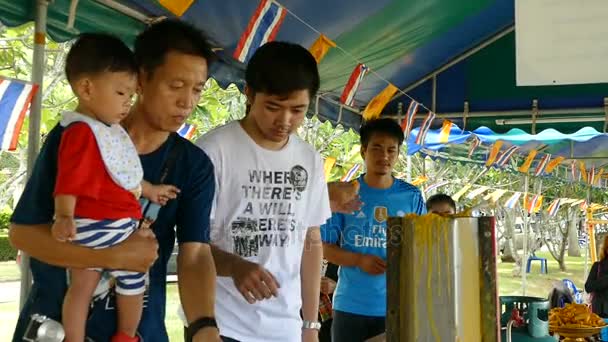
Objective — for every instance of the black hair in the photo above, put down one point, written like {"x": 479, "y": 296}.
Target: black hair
{"x": 170, "y": 35}
{"x": 93, "y": 53}
{"x": 386, "y": 126}
{"x": 280, "y": 68}
{"x": 439, "y": 199}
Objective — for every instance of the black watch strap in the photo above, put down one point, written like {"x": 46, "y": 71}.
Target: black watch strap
{"x": 199, "y": 324}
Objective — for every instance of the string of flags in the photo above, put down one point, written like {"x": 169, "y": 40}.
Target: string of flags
{"x": 262, "y": 28}
{"x": 266, "y": 22}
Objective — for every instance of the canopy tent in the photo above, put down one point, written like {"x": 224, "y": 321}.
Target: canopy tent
{"x": 451, "y": 57}
{"x": 455, "y": 58}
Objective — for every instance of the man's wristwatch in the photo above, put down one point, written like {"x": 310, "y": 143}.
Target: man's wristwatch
{"x": 194, "y": 327}
{"x": 311, "y": 325}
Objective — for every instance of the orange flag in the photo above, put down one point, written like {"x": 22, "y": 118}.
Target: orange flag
{"x": 328, "y": 165}
{"x": 177, "y": 7}
{"x": 553, "y": 164}
{"x": 377, "y": 104}
{"x": 581, "y": 165}
{"x": 444, "y": 135}
{"x": 525, "y": 167}
{"x": 320, "y": 47}
{"x": 494, "y": 153}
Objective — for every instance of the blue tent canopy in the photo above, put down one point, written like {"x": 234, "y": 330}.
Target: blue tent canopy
{"x": 455, "y": 58}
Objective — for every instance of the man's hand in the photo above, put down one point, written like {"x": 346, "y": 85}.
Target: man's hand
{"x": 138, "y": 252}
{"x": 310, "y": 335}
{"x": 328, "y": 286}
{"x": 371, "y": 264}
{"x": 344, "y": 197}
{"x": 207, "y": 334}
{"x": 64, "y": 229}
{"x": 253, "y": 281}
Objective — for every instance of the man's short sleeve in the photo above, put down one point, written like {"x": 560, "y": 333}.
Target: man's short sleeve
{"x": 419, "y": 203}
{"x": 36, "y": 205}
{"x": 331, "y": 231}
{"x": 194, "y": 207}
{"x": 319, "y": 208}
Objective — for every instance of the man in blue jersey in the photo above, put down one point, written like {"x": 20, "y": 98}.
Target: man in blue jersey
{"x": 360, "y": 297}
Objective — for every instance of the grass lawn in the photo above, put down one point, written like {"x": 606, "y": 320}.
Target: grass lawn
{"x": 538, "y": 285}
{"x": 9, "y": 271}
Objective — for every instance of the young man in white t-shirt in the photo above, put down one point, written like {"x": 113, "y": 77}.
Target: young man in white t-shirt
{"x": 271, "y": 198}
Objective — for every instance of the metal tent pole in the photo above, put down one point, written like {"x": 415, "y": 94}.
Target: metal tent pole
{"x": 524, "y": 258}
{"x": 33, "y": 139}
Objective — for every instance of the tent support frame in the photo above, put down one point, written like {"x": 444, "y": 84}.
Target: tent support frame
{"x": 33, "y": 138}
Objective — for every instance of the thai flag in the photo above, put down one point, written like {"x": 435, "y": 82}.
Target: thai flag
{"x": 426, "y": 125}
{"x": 554, "y": 207}
{"x": 435, "y": 186}
{"x": 15, "y": 100}
{"x": 262, "y": 28}
{"x": 187, "y": 130}
{"x": 573, "y": 171}
{"x": 591, "y": 177}
{"x": 408, "y": 122}
{"x": 506, "y": 155}
{"x": 351, "y": 173}
{"x": 542, "y": 164}
{"x": 348, "y": 95}
{"x": 513, "y": 200}
{"x": 474, "y": 146}
{"x": 533, "y": 203}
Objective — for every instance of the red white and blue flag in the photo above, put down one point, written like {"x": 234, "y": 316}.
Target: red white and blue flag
{"x": 187, "y": 130}
{"x": 350, "y": 90}
{"x": 506, "y": 155}
{"x": 573, "y": 171}
{"x": 513, "y": 200}
{"x": 262, "y": 28}
{"x": 424, "y": 129}
{"x": 436, "y": 185}
{"x": 351, "y": 173}
{"x": 554, "y": 207}
{"x": 15, "y": 100}
{"x": 542, "y": 165}
{"x": 474, "y": 145}
{"x": 408, "y": 122}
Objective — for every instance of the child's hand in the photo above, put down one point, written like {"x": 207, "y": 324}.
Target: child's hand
{"x": 64, "y": 229}
{"x": 161, "y": 194}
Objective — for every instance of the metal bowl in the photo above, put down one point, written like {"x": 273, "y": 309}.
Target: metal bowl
{"x": 575, "y": 334}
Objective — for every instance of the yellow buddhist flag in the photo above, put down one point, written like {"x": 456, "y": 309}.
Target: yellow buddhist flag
{"x": 328, "y": 165}
{"x": 320, "y": 47}
{"x": 539, "y": 204}
{"x": 525, "y": 167}
{"x": 177, "y": 7}
{"x": 477, "y": 192}
{"x": 495, "y": 196}
{"x": 581, "y": 166}
{"x": 494, "y": 153}
{"x": 377, "y": 104}
{"x": 444, "y": 135}
{"x": 553, "y": 164}
{"x": 598, "y": 177}
{"x": 419, "y": 180}
{"x": 462, "y": 191}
